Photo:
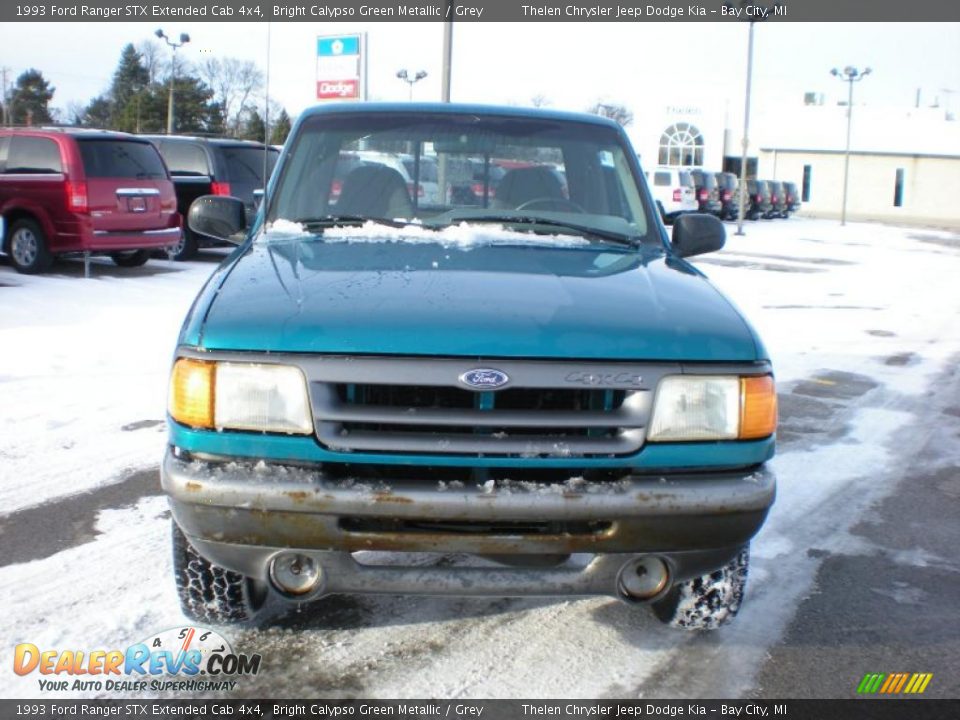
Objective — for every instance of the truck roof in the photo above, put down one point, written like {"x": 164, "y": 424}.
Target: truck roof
{"x": 458, "y": 109}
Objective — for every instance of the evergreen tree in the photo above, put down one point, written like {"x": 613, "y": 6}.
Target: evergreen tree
{"x": 254, "y": 127}
{"x": 130, "y": 81}
{"x": 30, "y": 99}
{"x": 280, "y": 129}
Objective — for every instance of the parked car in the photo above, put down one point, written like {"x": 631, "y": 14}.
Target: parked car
{"x": 673, "y": 189}
{"x": 474, "y": 180}
{"x": 707, "y": 192}
{"x": 793, "y": 197}
{"x": 778, "y": 199}
{"x": 82, "y": 191}
{"x": 728, "y": 187}
{"x": 213, "y": 166}
{"x": 758, "y": 203}
{"x": 523, "y": 382}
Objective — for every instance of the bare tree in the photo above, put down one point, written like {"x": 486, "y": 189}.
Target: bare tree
{"x": 615, "y": 111}
{"x": 153, "y": 58}
{"x": 540, "y": 100}
{"x": 235, "y": 84}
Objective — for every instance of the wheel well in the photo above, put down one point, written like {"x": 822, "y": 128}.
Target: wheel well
{"x": 11, "y": 217}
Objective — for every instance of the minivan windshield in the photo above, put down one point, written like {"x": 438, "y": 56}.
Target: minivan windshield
{"x": 534, "y": 174}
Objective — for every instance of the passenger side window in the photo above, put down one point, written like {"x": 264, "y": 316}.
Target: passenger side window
{"x": 185, "y": 159}
{"x": 661, "y": 179}
{"x": 33, "y": 155}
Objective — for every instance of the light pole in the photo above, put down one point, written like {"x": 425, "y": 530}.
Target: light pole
{"x": 411, "y": 81}
{"x": 184, "y": 39}
{"x": 752, "y": 15}
{"x": 849, "y": 75}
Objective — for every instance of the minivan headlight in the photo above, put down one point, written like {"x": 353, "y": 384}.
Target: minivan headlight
{"x": 713, "y": 407}
{"x": 240, "y": 396}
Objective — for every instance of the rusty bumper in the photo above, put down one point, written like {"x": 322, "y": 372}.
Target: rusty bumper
{"x": 241, "y": 515}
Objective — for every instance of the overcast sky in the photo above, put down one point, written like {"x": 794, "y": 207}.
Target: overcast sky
{"x": 571, "y": 64}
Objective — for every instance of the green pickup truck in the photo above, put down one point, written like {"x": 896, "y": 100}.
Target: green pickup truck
{"x": 528, "y": 373}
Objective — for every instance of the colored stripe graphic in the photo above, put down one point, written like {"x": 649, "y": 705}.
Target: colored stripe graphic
{"x": 894, "y": 683}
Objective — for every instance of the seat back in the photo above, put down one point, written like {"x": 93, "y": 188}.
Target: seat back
{"x": 375, "y": 191}
{"x": 522, "y": 185}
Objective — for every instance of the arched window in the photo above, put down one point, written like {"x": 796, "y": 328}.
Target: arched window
{"x": 681, "y": 144}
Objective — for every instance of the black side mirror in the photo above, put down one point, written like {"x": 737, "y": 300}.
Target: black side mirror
{"x": 697, "y": 233}
{"x": 219, "y": 217}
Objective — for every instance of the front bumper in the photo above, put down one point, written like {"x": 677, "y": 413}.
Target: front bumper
{"x": 242, "y": 515}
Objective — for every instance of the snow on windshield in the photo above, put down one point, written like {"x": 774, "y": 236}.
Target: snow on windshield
{"x": 463, "y": 235}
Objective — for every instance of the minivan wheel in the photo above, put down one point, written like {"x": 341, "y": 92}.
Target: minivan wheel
{"x": 27, "y": 246}
{"x": 709, "y": 601}
{"x": 210, "y": 593}
{"x": 132, "y": 258}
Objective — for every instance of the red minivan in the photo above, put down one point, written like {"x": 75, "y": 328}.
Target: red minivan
{"x": 83, "y": 191}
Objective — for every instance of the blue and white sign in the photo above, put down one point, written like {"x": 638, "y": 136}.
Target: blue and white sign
{"x": 335, "y": 46}
{"x": 341, "y": 67}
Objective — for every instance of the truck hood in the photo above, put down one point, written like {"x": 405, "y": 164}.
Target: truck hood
{"x": 590, "y": 301}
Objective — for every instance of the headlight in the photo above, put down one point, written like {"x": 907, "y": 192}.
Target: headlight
{"x": 240, "y": 396}
{"x": 713, "y": 407}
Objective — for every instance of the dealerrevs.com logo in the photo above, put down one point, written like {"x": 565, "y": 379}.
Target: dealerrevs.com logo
{"x": 180, "y": 659}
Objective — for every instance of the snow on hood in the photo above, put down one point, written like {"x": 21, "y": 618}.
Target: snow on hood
{"x": 463, "y": 235}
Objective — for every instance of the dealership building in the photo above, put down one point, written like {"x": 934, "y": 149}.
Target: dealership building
{"x": 904, "y": 162}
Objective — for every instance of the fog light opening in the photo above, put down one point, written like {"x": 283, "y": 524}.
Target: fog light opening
{"x": 295, "y": 574}
{"x": 643, "y": 579}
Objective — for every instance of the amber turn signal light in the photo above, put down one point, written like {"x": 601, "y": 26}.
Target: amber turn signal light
{"x": 191, "y": 392}
{"x": 758, "y": 407}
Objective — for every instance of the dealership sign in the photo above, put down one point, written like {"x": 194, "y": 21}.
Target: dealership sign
{"x": 341, "y": 63}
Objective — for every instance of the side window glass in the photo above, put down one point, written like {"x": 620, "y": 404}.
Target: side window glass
{"x": 184, "y": 159}
{"x": 4, "y": 145}
{"x": 33, "y": 155}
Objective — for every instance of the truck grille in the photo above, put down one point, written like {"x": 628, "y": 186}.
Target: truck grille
{"x": 430, "y": 412}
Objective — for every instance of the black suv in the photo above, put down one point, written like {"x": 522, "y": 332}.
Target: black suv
{"x": 728, "y": 190}
{"x": 213, "y": 166}
{"x": 707, "y": 192}
{"x": 793, "y": 197}
{"x": 778, "y": 199}
{"x": 758, "y": 200}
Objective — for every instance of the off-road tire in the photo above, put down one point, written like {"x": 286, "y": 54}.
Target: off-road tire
{"x": 26, "y": 244}
{"x": 130, "y": 259}
{"x": 210, "y": 593}
{"x": 709, "y": 601}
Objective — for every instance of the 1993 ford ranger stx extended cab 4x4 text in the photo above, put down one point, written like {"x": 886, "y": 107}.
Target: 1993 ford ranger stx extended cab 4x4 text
{"x": 538, "y": 380}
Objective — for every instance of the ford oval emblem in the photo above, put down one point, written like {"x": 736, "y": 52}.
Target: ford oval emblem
{"x": 484, "y": 379}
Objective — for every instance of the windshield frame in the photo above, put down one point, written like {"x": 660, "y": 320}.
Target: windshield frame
{"x": 610, "y": 134}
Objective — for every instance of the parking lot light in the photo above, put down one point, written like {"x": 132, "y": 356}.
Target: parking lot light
{"x": 849, "y": 75}
{"x": 184, "y": 39}
{"x": 411, "y": 81}
{"x": 752, "y": 16}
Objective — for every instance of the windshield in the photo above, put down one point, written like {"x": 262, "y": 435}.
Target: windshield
{"x": 537, "y": 175}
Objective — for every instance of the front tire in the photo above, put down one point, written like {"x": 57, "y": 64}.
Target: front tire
{"x": 27, "y": 247}
{"x": 210, "y": 593}
{"x": 134, "y": 258}
{"x": 707, "y": 602}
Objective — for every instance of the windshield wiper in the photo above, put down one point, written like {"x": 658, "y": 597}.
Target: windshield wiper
{"x": 582, "y": 230}
{"x": 329, "y": 221}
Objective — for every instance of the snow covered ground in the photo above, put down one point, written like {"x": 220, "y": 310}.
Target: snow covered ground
{"x": 860, "y": 322}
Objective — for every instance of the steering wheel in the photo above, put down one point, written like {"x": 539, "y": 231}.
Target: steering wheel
{"x": 551, "y": 203}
